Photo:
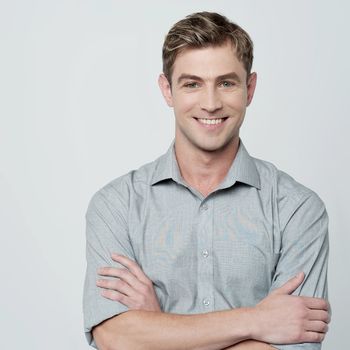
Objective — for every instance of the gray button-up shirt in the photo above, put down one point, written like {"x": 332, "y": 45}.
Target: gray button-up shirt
{"x": 256, "y": 230}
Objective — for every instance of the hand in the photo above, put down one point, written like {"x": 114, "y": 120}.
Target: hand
{"x": 286, "y": 319}
{"x": 132, "y": 288}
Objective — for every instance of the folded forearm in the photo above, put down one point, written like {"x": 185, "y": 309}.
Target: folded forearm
{"x": 155, "y": 330}
{"x": 250, "y": 345}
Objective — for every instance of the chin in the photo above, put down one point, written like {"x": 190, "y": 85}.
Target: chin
{"x": 211, "y": 148}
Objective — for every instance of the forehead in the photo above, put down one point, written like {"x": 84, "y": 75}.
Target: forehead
{"x": 208, "y": 62}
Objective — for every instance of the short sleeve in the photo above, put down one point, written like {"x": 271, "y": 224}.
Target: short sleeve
{"x": 106, "y": 232}
{"x": 305, "y": 247}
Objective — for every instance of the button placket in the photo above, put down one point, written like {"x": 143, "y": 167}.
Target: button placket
{"x": 205, "y": 263}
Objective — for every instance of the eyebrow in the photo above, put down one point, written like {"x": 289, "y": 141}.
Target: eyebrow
{"x": 231, "y": 75}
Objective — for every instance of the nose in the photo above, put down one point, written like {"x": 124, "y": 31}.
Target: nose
{"x": 210, "y": 100}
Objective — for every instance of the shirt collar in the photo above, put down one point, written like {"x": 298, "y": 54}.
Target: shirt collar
{"x": 242, "y": 169}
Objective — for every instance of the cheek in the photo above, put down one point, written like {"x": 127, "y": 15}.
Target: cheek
{"x": 236, "y": 101}
{"x": 184, "y": 103}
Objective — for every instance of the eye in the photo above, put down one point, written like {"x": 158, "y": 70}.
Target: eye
{"x": 192, "y": 84}
{"x": 227, "y": 83}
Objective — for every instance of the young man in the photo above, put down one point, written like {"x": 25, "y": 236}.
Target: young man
{"x": 216, "y": 249}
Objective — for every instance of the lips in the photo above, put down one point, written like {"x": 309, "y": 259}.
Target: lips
{"x": 212, "y": 123}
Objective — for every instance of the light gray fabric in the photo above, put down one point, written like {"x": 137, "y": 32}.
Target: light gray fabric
{"x": 255, "y": 231}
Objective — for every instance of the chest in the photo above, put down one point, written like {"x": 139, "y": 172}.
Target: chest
{"x": 225, "y": 242}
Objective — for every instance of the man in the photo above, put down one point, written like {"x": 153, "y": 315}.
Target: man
{"x": 216, "y": 249}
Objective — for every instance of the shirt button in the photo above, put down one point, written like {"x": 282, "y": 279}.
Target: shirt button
{"x": 204, "y": 207}
{"x": 205, "y": 253}
{"x": 206, "y": 302}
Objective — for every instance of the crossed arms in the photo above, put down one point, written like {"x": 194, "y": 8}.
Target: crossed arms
{"x": 280, "y": 318}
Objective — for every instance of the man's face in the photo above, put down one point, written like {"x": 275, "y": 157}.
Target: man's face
{"x": 209, "y": 95}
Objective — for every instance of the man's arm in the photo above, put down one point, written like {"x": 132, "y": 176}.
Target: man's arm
{"x": 244, "y": 345}
{"x": 304, "y": 247}
{"x": 137, "y": 329}
{"x": 289, "y": 319}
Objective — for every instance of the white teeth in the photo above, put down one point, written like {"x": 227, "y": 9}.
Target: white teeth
{"x": 211, "y": 121}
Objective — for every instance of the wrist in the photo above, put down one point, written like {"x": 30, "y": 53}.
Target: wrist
{"x": 252, "y": 322}
{"x": 243, "y": 320}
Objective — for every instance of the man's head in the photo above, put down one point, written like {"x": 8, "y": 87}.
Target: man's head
{"x": 207, "y": 80}
{"x": 205, "y": 29}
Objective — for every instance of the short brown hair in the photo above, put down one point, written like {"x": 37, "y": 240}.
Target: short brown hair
{"x": 203, "y": 29}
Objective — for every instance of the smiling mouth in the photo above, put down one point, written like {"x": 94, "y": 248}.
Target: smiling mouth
{"x": 211, "y": 121}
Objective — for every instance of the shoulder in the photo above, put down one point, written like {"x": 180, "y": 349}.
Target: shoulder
{"x": 120, "y": 190}
{"x": 288, "y": 193}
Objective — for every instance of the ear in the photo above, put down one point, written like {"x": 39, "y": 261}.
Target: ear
{"x": 251, "y": 84}
{"x": 165, "y": 88}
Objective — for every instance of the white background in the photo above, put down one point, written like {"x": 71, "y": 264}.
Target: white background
{"x": 80, "y": 106}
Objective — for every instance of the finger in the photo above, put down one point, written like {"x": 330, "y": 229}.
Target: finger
{"x": 116, "y": 296}
{"x": 116, "y": 285}
{"x": 291, "y": 285}
{"x": 316, "y": 303}
{"x": 124, "y": 274}
{"x": 132, "y": 266}
{"x": 319, "y": 315}
{"x": 313, "y": 337}
{"x": 317, "y": 326}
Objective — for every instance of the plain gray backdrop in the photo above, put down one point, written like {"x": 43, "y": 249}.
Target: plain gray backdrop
{"x": 80, "y": 106}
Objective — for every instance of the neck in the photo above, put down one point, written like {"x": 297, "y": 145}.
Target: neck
{"x": 205, "y": 170}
